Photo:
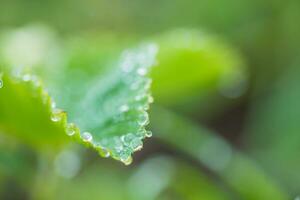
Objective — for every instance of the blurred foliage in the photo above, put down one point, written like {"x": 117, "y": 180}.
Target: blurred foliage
{"x": 216, "y": 154}
{"x": 203, "y": 63}
{"x": 157, "y": 178}
{"x": 277, "y": 116}
{"x": 249, "y": 149}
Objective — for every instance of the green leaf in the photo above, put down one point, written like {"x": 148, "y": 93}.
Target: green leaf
{"x": 106, "y": 111}
{"x": 92, "y": 90}
{"x": 112, "y": 109}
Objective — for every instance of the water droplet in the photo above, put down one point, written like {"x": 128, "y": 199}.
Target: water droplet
{"x": 36, "y": 82}
{"x": 53, "y": 104}
{"x": 56, "y": 115}
{"x": 148, "y": 134}
{"x": 143, "y": 119}
{"x": 127, "y": 62}
{"x": 71, "y": 129}
{"x": 126, "y": 139}
{"x": 152, "y": 49}
{"x": 128, "y": 161}
{"x": 140, "y": 108}
{"x": 127, "y": 66}
{"x": 141, "y": 133}
{"x": 148, "y": 83}
{"x": 146, "y": 107}
{"x": 26, "y": 77}
{"x": 118, "y": 144}
{"x": 124, "y": 108}
{"x": 142, "y": 71}
{"x": 87, "y": 137}
{"x": 134, "y": 86}
{"x": 150, "y": 99}
{"x": 125, "y": 157}
{"x": 139, "y": 97}
{"x": 119, "y": 148}
{"x": 104, "y": 152}
{"x": 136, "y": 144}
{"x": 1, "y": 83}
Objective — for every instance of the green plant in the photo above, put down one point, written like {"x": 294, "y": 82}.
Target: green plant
{"x": 99, "y": 97}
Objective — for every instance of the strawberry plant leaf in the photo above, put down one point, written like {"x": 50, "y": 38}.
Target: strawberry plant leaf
{"x": 106, "y": 111}
{"x": 111, "y": 110}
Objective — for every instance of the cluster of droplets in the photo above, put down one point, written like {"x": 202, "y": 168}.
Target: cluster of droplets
{"x": 28, "y": 77}
{"x": 124, "y": 146}
{"x": 57, "y": 115}
{"x": 139, "y": 61}
{"x": 118, "y": 147}
{"x": 135, "y": 66}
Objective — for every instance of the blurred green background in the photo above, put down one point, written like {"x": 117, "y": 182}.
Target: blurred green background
{"x": 226, "y": 120}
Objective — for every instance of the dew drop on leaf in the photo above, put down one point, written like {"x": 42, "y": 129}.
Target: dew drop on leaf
{"x": 53, "y": 104}
{"x": 142, "y": 71}
{"x": 136, "y": 144}
{"x": 128, "y": 161}
{"x": 148, "y": 134}
{"x": 134, "y": 86}
{"x": 143, "y": 119}
{"x": 119, "y": 146}
{"x": 126, "y": 139}
{"x": 124, "y": 108}
{"x": 26, "y": 77}
{"x": 139, "y": 97}
{"x": 87, "y": 137}
{"x": 150, "y": 99}
{"x": 146, "y": 107}
{"x": 56, "y": 115}
{"x": 125, "y": 157}
{"x": 71, "y": 129}
{"x": 104, "y": 152}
